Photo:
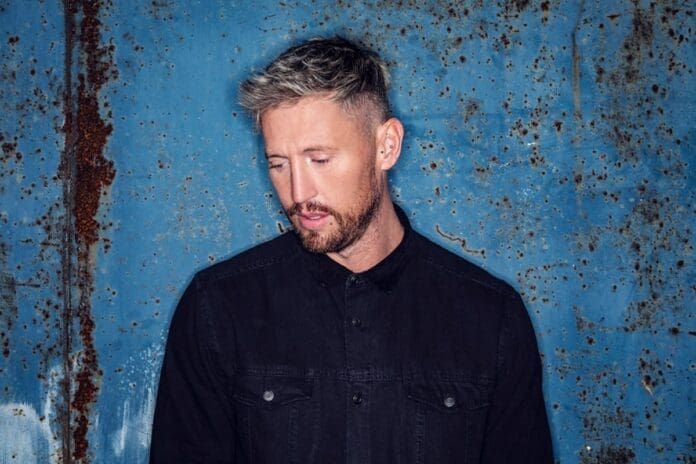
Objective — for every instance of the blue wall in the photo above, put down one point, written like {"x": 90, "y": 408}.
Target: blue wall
{"x": 551, "y": 142}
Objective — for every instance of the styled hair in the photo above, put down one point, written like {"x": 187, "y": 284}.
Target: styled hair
{"x": 344, "y": 71}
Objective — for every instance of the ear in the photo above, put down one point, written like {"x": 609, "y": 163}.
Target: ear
{"x": 390, "y": 135}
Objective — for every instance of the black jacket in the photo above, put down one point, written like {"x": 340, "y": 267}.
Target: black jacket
{"x": 282, "y": 356}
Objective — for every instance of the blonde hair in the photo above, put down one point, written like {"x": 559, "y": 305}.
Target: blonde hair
{"x": 345, "y": 72}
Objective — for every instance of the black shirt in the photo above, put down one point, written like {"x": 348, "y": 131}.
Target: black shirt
{"x": 279, "y": 355}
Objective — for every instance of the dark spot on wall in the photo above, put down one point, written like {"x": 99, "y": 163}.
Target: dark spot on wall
{"x": 515, "y": 7}
{"x": 649, "y": 233}
{"x": 608, "y": 455}
{"x": 504, "y": 40}
{"x": 630, "y": 112}
{"x": 637, "y": 45}
{"x": 575, "y": 51}
{"x": 545, "y": 8}
{"x": 582, "y": 323}
{"x": 13, "y": 40}
{"x": 161, "y": 10}
{"x": 8, "y": 301}
{"x": 472, "y": 108}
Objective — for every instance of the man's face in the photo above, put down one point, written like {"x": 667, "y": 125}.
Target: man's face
{"x": 322, "y": 163}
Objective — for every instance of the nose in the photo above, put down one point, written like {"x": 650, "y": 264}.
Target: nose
{"x": 303, "y": 186}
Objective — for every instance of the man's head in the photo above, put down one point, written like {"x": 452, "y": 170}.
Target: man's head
{"x": 323, "y": 111}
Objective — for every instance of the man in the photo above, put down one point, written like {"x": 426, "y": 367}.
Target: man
{"x": 353, "y": 339}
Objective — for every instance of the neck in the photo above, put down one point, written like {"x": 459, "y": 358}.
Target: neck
{"x": 381, "y": 237}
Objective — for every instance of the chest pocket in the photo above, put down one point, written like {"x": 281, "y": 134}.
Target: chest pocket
{"x": 448, "y": 420}
{"x": 277, "y": 417}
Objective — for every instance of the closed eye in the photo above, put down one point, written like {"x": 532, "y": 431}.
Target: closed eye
{"x": 276, "y": 162}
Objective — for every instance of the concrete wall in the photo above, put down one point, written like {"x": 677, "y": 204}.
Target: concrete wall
{"x": 551, "y": 142}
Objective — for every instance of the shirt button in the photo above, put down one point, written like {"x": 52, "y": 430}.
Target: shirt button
{"x": 353, "y": 279}
{"x": 268, "y": 396}
{"x": 355, "y": 322}
{"x": 449, "y": 402}
{"x": 357, "y": 398}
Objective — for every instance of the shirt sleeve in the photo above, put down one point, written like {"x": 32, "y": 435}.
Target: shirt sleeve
{"x": 517, "y": 428}
{"x": 193, "y": 420}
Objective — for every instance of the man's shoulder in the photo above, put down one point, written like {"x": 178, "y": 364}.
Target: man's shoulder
{"x": 440, "y": 259}
{"x": 257, "y": 258}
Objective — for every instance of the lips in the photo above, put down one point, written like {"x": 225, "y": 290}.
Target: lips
{"x": 313, "y": 220}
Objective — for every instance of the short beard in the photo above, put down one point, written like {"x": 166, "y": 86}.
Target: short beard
{"x": 350, "y": 227}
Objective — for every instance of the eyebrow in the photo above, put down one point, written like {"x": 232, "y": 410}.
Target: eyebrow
{"x": 310, "y": 149}
{"x": 324, "y": 148}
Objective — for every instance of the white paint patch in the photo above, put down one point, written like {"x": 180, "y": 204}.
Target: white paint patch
{"x": 135, "y": 427}
{"x": 132, "y": 440}
{"x": 25, "y": 438}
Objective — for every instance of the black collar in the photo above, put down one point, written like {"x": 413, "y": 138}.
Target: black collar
{"x": 384, "y": 274}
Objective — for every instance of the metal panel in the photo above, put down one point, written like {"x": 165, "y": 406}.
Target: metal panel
{"x": 549, "y": 142}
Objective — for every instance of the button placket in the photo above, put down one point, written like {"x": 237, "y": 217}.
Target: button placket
{"x": 358, "y": 421}
{"x": 358, "y": 297}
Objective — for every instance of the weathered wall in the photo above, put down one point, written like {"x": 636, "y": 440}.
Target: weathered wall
{"x": 550, "y": 142}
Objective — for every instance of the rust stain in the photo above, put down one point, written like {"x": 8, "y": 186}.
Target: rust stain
{"x": 86, "y": 174}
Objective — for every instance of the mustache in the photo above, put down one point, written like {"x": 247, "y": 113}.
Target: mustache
{"x": 309, "y": 207}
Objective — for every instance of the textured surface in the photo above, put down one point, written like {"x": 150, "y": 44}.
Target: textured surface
{"x": 550, "y": 142}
